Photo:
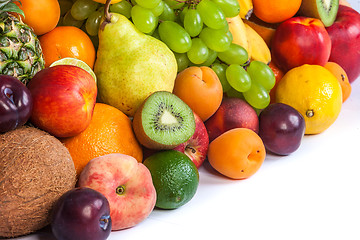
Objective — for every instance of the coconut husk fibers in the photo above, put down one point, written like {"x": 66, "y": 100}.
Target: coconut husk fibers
{"x": 35, "y": 170}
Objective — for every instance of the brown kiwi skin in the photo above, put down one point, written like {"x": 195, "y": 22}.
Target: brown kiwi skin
{"x": 141, "y": 135}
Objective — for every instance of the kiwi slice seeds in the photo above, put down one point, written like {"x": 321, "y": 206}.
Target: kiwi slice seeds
{"x": 163, "y": 121}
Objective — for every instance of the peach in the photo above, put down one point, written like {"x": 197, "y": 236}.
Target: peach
{"x": 126, "y": 183}
{"x": 232, "y": 113}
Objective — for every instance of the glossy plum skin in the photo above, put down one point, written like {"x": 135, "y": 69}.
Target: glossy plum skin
{"x": 281, "y": 127}
{"x": 16, "y": 103}
{"x": 82, "y": 214}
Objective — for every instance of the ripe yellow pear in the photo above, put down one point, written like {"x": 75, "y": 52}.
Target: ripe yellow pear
{"x": 131, "y": 65}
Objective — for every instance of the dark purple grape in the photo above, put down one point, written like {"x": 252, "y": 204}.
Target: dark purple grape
{"x": 81, "y": 214}
{"x": 281, "y": 127}
{"x": 15, "y": 103}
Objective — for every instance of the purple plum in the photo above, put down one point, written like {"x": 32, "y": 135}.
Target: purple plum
{"x": 81, "y": 214}
{"x": 281, "y": 127}
{"x": 15, "y": 103}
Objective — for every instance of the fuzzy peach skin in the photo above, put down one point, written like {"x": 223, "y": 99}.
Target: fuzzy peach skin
{"x": 126, "y": 183}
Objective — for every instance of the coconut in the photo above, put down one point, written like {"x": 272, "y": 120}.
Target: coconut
{"x": 36, "y": 169}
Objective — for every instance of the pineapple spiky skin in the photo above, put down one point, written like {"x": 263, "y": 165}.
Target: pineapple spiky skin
{"x": 20, "y": 51}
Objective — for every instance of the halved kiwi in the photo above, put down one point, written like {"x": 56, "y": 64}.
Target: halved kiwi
{"x": 325, "y": 10}
{"x": 163, "y": 121}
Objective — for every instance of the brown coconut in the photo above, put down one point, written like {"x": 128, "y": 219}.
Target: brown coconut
{"x": 35, "y": 170}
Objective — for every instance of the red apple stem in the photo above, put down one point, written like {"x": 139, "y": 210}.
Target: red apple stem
{"x": 191, "y": 148}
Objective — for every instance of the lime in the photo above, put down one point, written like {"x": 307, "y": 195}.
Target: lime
{"x": 175, "y": 178}
{"x": 74, "y": 62}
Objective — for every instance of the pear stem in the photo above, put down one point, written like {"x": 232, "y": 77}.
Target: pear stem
{"x": 107, "y": 15}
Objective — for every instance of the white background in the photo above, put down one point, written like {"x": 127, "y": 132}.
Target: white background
{"x": 311, "y": 194}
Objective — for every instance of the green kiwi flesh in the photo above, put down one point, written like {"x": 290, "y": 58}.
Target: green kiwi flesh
{"x": 167, "y": 120}
{"x": 325, "y": 10}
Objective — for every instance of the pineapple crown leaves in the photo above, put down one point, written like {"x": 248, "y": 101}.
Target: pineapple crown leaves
{"x": 10, "y": 6}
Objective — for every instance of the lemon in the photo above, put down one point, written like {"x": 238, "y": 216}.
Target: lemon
{"x": 315, "y": 92}
{"x": 175, "y": 178}
{"x": 74, "y": 62}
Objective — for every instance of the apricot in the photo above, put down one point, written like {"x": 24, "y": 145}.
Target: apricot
{"x": 342, "y": 77}
{"x": 237, "y": 153}
{"x": 200, "y": 88}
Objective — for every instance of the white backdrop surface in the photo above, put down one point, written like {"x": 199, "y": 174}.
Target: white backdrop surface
{"x": 311, "y": 194}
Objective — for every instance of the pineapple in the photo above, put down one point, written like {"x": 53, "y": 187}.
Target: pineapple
{"x": 20, "y": 51}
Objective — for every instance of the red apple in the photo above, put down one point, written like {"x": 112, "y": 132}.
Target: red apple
{"x": 345, "y": 38}
{"x": 64, "y": 97}
{"x": 127, "y": 185}
{"x": 232, "y": 113}
{"x": 300, "y": 40}
{"x": 197, "y": 146}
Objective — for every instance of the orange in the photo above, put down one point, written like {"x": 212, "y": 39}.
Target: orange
{"x": 237, "y": 153}
{"x": 67, "y": 41}
{"x": 342, "y": 77}
{"x": 201, "y": 89}
{"x": 41, "y": 15}
{"x": 109, "y": 131}
{"x": 276, "y": 11}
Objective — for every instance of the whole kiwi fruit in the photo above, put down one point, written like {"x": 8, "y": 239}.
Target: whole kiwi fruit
{"x": 36, "y": 169}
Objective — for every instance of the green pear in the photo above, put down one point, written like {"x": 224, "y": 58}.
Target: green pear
{"x": 131, "y": 65}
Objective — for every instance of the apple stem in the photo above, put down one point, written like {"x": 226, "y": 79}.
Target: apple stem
{"x": 192, "y": 149}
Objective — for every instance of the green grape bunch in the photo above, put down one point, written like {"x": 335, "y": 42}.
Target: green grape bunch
{"x": 196, "y": 31}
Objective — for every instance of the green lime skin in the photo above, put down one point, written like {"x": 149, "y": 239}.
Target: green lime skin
{"x": 175, "y": 178}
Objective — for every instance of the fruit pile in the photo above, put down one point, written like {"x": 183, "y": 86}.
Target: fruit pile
{"x": 110, "y": 107}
